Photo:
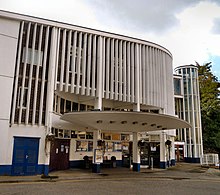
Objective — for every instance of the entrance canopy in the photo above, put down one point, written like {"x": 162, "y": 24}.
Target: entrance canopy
{"x": 123, "y": 121}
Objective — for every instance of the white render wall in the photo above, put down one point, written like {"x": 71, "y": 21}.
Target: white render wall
{"x": 9, "y": 32}
{"x": 8, "y": 42}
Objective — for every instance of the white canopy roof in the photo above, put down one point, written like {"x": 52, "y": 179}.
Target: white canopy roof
{"x": 123, "y": 121}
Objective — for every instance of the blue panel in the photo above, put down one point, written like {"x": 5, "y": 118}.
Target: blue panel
{"x": 5, "y": 170}
{"x": 76, "y": 164}
{"x": 173, "y": 162}
{"x": 119, "y": 163}
{"x": 25, "y": 156}
{"x": 43, "y": 169}
{"x": 136, "y": 167}
{"x": 163, "y": 165}
{"x": 192, "y": 160}
{"x": 96, "y": 168}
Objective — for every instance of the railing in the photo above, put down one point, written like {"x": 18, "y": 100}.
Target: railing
{"x": 210, "y": 159}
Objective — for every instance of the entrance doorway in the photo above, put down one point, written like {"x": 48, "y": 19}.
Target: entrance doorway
{"x": 25, "y": 156}
{"x": 59, "y": 154}
{"x": 179, "y": 153}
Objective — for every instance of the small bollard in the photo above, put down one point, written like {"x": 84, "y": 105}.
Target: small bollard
{"x": 152, "y": 163}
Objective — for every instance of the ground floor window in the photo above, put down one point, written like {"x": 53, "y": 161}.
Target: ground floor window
{"x": 85, "y": 146}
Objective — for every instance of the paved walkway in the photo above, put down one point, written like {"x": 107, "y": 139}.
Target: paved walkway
{"x": 180, "y": 171}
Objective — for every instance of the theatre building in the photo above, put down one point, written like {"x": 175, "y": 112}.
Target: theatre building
{"x": 79, "y": 97}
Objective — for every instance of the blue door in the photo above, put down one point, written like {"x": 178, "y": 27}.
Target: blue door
{"x": 25, "y": 156}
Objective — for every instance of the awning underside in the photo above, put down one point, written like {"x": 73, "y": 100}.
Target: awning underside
{"x": 123, "y": 121}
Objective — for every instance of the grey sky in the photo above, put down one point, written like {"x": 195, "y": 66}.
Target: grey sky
{"x": 216, "y": 26}
{"x": 155, "y": 16}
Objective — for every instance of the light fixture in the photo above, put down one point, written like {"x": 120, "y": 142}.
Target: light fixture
{"x": 112, "y": 122}
{"x": 123, "y": 122}
{"x": 99, "y": 121}
{"x": 144, "y": 124}
{"x": 135, "y": 122}
{"x": 153, "y": 125}
{"x": 159, "y": 126}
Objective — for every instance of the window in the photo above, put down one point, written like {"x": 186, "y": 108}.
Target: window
{"x": 108, "y": 146}
{"x": 125, "y": 146}
{"x": 75, "y": 106}
{"x": 117, "y": 146}
{"x": 177, "y": 86}
{"x": 107, "y": 136}
{"x": 82, "y": 135}
{"x": 66, "y": 134}
{"x": 24, "y": 98}
{"x": 89, "y": 135}
{"x": 81, "y": 145}
{"x": 82, "y": 107}
{"x": 115, "y": 136}
{"x": 125, "y": 137}
{"x": 68, "y": 106}
{"x": 29, "y": 56}
{"x": 62, "y": 104}
{"x": 60, "y": 133}
{"x": 84, "y": 146}
{"x": 73, "y": 134}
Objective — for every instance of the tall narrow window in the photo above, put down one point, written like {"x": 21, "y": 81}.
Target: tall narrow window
{"x": 24, "y": 98}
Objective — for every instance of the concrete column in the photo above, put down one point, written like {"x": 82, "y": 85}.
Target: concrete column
{"x": 137, "y": 77}
{"x": 51, "y": 78}
{"x": 47, "y": 158}
{"x": 98, "y": 103}
{"x": 50, "y": 93}
{"x": 172, "y": 152}
{"x": 95, "y": 166}
{"x": 136, "y": 153}
{"x": 98, "y": 99}
{"x": 163, "y": 158}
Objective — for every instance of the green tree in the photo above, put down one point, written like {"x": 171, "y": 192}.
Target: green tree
{"x": 210, "y": 107}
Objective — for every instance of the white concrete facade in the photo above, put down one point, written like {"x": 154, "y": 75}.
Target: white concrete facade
{"x": 49, "y": 68}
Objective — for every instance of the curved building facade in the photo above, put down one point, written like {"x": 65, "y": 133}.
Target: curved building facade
{"x": 52, "y": 68}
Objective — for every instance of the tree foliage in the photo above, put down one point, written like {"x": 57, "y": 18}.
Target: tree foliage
{"x": 210, "y": 107}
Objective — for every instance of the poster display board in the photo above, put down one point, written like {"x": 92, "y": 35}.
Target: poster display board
{"x": 98, "y": 156}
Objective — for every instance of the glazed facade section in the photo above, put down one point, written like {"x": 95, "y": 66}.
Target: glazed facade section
{"x": 188, "y": 108}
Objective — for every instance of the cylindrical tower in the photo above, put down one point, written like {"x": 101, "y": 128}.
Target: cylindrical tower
{"x": 190, "y": 112}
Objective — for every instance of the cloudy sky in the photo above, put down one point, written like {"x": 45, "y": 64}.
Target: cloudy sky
{"x": 190, "y": 29}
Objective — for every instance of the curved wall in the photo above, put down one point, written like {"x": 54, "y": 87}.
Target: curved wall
{"x": 114, "y": 68}
{"x": 88, "y": 64}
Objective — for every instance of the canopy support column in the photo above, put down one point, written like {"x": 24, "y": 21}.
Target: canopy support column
{"x": 173, "y": 161}
{"x": 95, "y": 165}
{"x": 136, "y": 153}
{"x": 163, "y": 158}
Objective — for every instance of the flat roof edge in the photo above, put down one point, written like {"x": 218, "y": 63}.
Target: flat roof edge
{"x": 20, "y": 17}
